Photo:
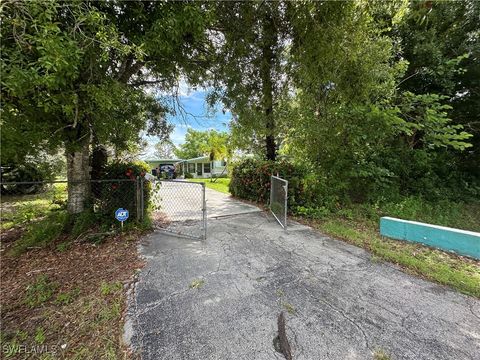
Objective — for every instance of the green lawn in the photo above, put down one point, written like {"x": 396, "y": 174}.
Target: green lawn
{"x": 220, "y": 184}
{"x": 20, "y": 210}
{"x": 360, "y": 227}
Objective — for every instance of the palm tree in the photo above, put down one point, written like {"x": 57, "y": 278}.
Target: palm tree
{"x": 217, "y": 148}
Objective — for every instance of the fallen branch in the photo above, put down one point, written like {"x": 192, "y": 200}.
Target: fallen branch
{"x": 91, "y": 235}
{"x": 39, "y": 270}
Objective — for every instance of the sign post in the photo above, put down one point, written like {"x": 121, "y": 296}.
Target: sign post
{"x": 121, "y": 215}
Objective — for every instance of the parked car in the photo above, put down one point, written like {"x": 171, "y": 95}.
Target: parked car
{"x": 19, "y": 178}
{"x": 168, "y": 171}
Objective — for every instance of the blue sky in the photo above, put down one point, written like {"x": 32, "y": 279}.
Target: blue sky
{"x": 195, "y": 115}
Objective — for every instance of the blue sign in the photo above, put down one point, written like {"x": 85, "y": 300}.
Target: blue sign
{"x": 121, "y": 214}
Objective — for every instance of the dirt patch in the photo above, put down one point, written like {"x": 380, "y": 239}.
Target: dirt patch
{"x": 70, "y": 302}
{"x": 10, "y": 235}
{"x": 160, "y": 220}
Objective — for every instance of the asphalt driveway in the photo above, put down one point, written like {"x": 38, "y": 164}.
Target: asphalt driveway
{"x": 220, "y": 299}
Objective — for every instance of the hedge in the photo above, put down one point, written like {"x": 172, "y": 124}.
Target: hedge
{"x": 111, "y": 195}
{"x": 250, "y": 180}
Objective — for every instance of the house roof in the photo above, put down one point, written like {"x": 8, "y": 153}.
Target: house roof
{"x": 161, "y": 160}
{"x": 197, "y": 158}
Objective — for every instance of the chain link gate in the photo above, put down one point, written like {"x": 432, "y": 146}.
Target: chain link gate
{"x": 278, "y": 199}
{"x": 179, "y": 207}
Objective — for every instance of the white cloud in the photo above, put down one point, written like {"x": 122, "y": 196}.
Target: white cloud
{"x": 178, "y": 135}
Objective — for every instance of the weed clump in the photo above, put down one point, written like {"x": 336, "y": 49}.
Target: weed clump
{"x": 40, "y": 291}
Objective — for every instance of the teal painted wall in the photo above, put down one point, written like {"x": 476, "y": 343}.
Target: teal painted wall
{"x": 460, "y": 241}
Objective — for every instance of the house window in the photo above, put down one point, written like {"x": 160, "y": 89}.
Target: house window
{"x": 191, "y": 168}
{"x": 199, "y": 168}
{"x": 206, "y": 168}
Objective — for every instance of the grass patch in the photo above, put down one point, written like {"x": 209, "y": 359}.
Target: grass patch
{"x": 445, "y": 213}
{"x": 457, "y": 272}
{"x": 110, "y": 288}
{"x": 65, "y": 298}
{"x": 39, "y": 335}
{"x": 36, "y": 221}
{"x": 82, "y": 223}
{"x": 220, "y": 184}
{"x": 358, "y": 224}
{"x": 41, "y": 233}
{"x": 40, "y": 291}
{"x": 18, "y": 210}
{"x": 380, "y": 354}
{"x": 196, "y": 284}
{"x": 289, "y": 307}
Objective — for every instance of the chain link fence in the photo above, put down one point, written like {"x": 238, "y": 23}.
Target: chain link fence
{"x": 174, "y": 206}
{"x": 179, "y": 207}
{"x": 278, "y": 199}
{"x": 29, "y": 202}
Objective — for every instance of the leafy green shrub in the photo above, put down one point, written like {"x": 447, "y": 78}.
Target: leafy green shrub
{"x": 188, "y": 176}
{"x": 312, "y": 212}
{"x": 251, "y": 180}
{"x": 83, "y": 222}
{"x": 111, "y": 195}
{"x": 319, "y": 192}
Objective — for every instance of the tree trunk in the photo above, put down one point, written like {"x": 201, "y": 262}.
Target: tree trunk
{"x": 78, "y": 176}
{"x": 268, "y": 59}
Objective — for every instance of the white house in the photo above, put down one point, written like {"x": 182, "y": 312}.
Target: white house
{"x": 203, "y": 167}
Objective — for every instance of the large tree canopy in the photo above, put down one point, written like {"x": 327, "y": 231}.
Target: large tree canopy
{"x": 247, "y": 67}
{"x": 327, "y": 83}
{"x": 165, "y": 149}
{"x": 354, "y": 122}
{"x": 441, "y": 42}
{"x": 210, "y": 143}
{"x": 73, "y": 72}
{"x": 370, "y": 94}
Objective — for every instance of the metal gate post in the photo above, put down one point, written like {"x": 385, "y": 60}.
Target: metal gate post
{"x": 285, "y": 188}
{"x": 271, "y": 192}
{"x": 204, "y": 212}
{"x": 142, "y": 198}
{"x": 137, "y": 197}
